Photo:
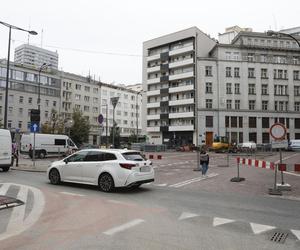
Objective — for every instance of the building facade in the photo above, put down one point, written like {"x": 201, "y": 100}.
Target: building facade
{"x": 30, "y": 55}
{"x": 236, "y": 90}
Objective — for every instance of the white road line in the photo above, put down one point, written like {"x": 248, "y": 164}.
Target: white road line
{"x": 18, "y": 212}
{"x": 161, "y": 185}
{"x": 4, "y": 188}
{"x": 186, "y": 215}
{"x": 73, "y": 194}
{"x": 296, "y": 233}
{"x": 123, "y": 227}
{"x": 292, "y": 174}
{"x": 288, "y": 157}
{"x": 120, "y": 202}
{"x": 259, "y": 228}
{"x": 181, "y": 184}
{"x": 220, "y": 221}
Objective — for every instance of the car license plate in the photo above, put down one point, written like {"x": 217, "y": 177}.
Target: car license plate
{"x": 145, "y": 169}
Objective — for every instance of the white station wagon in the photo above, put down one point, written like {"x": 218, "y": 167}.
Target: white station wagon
{"x": 108, "y": 168}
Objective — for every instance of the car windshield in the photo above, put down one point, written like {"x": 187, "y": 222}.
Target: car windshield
{"x": 134, "y": 156}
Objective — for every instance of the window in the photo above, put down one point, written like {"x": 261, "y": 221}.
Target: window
{"x": 237, "y": 88}
{"x": 234, "y": 121}
{"x": 228, "y": 55}
{"x": 264, "y": 89}
{"x": 86, "y": 108}
{"x": 236, "y": 72}
{"x": 228, "y": 88}
{"x": 229, "y": 104}
{"x": 280, "y": 89}
{"x": 30, "y": 100}
{"x": 252, "y": 122}
{"x": 208, "y": 70}
{"x": 77, "y": 97}
{"x": 264, "y": 73}
{"x": 54, "y": 103}
{"x": 209, "y": 121}
{"x": 265, "y": 122}
{"x": 252, "y": 137}
{"x": 250, "y": 57}
{"x": 297, "y": 90}
{"x": 264, "y": 105}
{"x": 21, "y": 98}
{"x": 109, "y": 157}
{"x": 296, "y": 75}
{"x": 297, "y": 106}
{"x": 265, "y": 138}
{"x": 251, "y": 73}
{"x": 228, "y": 71}
{"x": 47, "y": 103}
{"x": 95, "y": 100}
{"x": 86, "y": 98}
{"x": 209, "y": 103}
{"x": 95, "y": 90}
{"x": 60, "y": 142}
{"x": 78, "y": 87}
{"x": 263, "y": 58}
{"x": 297, "y": 122}
{"x": 77, "y": 157}
{"x": 281, "y": 106}
{"x": 208, "y": 87}
{"x": 95, "y": 109}
{"x": 251, "y": 89}
{"x": 87, "y": 89}
{"x": 20, "y": 111}
{"x": 237, "y": 104}
{"x": 94, "y": 156}
{"x": 236, "y": 56}
{"x": 251, "y": 104}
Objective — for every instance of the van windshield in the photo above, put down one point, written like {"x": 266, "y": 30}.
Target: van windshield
{"x": 70, "y": 143}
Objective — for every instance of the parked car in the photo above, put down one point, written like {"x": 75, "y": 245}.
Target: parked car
{"x": 294, "y": 145}
{"x": 107, "y": 168}
{"x": 5, "y": 150}
{"x": 247, "y": 146}
{"x": 46, "y": 144}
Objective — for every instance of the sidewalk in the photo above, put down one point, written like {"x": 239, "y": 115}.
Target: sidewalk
{"x": 26, "y": 164}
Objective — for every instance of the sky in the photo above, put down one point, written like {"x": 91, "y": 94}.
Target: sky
{"x": 104, "y": 38}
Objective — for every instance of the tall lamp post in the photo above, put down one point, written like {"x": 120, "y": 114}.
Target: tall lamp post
{"x": 114, "y": 102}
{"x": 106, "y": 122}
{"x": 31, "y": 32}
{"x": 272, "y": 33}
{"x": 43, "y": 66}
{"x": 137, "y": 116}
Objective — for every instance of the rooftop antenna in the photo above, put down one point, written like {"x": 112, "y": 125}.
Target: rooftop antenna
{"x": 275, "y": 22}
{"x": 42, "y": 37}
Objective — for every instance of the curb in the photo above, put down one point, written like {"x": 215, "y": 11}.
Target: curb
{"x": 28, "y": 170}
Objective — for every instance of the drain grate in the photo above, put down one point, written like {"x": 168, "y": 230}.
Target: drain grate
{"x": 279, "y": 237}
{"x": 7, "y": 202}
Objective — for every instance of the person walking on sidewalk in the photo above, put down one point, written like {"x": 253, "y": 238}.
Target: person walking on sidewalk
{"x": 204, "y": 161}
{"x": 15, "y": 153}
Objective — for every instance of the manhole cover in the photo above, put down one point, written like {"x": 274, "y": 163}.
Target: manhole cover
{"x": 279, "y": 237}
{"x": 7, "y": 202}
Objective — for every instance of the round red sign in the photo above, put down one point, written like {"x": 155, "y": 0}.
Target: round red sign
{"x": 278, "y": 131}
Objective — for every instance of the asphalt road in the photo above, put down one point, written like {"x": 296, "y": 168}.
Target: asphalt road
{"x": 179, "y": 211}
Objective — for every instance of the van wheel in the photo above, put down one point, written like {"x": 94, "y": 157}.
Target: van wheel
{"x": 5, "y": 169}
{"x": 54, "y": 177}
{"x": 106, "y": 182}
{"x": 42, "y": 154}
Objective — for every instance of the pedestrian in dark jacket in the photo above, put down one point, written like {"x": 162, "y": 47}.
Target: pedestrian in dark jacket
{"x": 204, "y": 161}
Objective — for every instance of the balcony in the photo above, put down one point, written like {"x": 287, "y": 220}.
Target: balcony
{"x": 153, "y": 69}
{"x": 181, "y": 50}
{"x": 181, "y": 102}
{"x": 153, "y": 117}
{"x": 181, "y": 115}
{"x": 181, "y": 76}
{"x": 181, "y": 63}
{"x": 181, "y": 128}
{"x": 153, "y": 129}
{"x": 153, "y": 92}
{"x": 181, "y": 88}
{"x": 152, "y": 58}
{"x": 154, "y": 80}
{"x": 153, "y": 105}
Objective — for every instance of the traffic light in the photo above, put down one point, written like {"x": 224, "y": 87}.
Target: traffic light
{"x": 35, "y": 115}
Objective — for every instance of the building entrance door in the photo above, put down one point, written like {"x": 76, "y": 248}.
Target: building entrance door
{"x": 209, "y": 138}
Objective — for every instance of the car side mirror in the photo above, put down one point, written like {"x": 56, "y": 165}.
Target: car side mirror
{"x": 66, "y": 161}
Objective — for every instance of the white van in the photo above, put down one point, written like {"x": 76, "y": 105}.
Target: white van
{"x": 46, "y": 144}
{"x": 294, "y": 145}
{"x": 5, "y": 150}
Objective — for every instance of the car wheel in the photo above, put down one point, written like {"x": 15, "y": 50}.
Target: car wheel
{"x": 42, "y": 154}
{"x": 106, "y": 182}
{"x": 54, "y": 177}
{"x": 5, "y": 169}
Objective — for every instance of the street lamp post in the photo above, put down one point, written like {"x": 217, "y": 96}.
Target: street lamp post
{"x": 32, "y": 32}
{"x": 114, "y": 102}
{"x": 137, "y": 116}
{"x": 272, "y": 33}
{"x": 43, "y": 66}
{"x": 106, "y": 121}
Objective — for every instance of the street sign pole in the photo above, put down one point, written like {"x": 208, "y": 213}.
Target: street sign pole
{"x": 33, "y": 153}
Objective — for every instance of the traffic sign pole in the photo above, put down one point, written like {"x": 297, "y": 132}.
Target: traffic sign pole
{"x": 33, "y": 152}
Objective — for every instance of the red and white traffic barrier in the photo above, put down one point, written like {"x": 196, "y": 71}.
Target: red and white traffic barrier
{"x": 268, "y": 165}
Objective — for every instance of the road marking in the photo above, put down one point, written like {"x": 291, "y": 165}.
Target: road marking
{"x": 259, "y": 228}
{"x": 186, "y": 215}
{"x": 288, "y": 157}
{"x": 73, "y": 194}
{"x": 123, "y": 227}
{"x": 187, "y": 182}
{"x": 121, "y": 202}
{"x": 292, "y": 174}
{"x": 296, "y": 233}
{"x": 221, "y": 221}
{"x": 161, "y": 185}
{"x": 17, "y": 227}
{"x": 4, "y": 188}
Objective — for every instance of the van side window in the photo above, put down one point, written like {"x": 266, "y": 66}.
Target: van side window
{"x": 61, "y": 142}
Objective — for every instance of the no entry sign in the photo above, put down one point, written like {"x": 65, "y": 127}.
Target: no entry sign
{"x": 278, "y": 131}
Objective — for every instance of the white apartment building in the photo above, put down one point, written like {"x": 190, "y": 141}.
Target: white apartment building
{"x": 23, "y": 95}
{"x": 240, "y": 89}
{"x": 30, "y": 55}
{"x": 94, "y": 98}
